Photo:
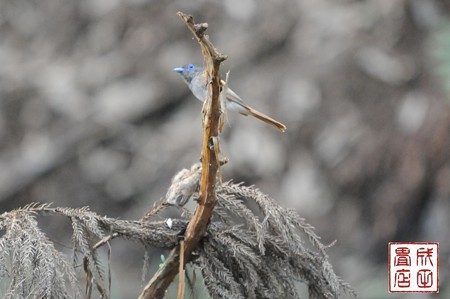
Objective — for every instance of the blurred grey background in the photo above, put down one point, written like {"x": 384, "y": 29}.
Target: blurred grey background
{"x": 92, "y": 114}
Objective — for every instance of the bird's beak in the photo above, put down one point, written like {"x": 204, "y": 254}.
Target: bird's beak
{"x": 178, "y": 70}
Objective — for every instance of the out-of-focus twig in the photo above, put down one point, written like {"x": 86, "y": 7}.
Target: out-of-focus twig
{"x": 181, "y": 272}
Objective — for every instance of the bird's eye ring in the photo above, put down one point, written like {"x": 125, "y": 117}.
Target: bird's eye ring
{"x": 191, "y": 66}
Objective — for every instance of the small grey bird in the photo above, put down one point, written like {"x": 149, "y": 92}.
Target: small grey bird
{"x": 183, "y": 186}
{"x": 195, "y": 77}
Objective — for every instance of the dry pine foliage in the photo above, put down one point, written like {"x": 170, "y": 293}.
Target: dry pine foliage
{"x": 254, "y": 248}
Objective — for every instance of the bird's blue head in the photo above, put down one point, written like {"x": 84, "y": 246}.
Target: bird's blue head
{"x": 189, "y": 71}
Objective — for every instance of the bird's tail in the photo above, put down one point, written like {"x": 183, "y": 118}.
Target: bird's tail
{"x": 266, "y": 119}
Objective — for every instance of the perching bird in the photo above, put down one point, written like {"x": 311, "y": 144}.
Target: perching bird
{"x": 183, "y": 185}
{"x": 195, "y": 78}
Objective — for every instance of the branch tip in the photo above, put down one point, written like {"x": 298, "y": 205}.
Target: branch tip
{"x": 200, "y": 28}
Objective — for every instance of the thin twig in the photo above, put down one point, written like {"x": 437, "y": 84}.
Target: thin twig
{"x": 181, "y": 272}
{"x": 105, "y": 240}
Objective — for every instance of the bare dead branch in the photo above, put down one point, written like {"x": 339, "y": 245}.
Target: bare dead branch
{"x": 210, "y": 164}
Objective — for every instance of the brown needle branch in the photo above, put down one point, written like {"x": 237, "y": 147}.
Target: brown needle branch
{"x": 196, "y": 229}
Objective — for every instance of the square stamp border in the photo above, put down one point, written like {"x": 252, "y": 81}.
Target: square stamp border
{"x": 414, "y": 243}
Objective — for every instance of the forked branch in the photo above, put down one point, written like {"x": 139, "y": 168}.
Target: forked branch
{"x": 210, "y": 165}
